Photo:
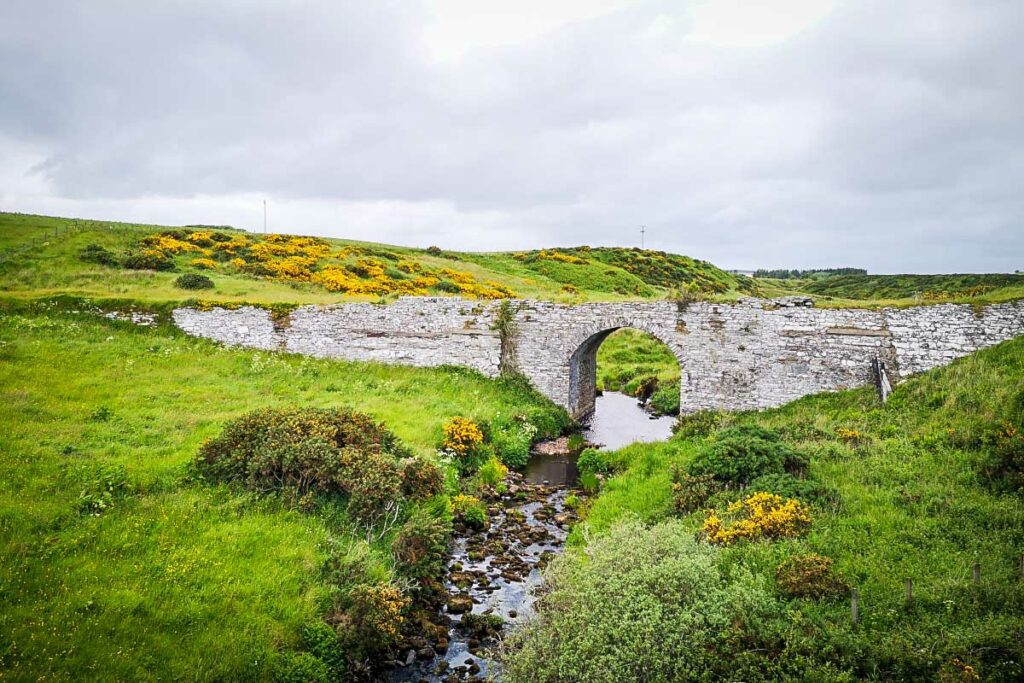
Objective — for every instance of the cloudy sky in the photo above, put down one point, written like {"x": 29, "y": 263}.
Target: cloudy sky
{"x": 793, "y": 133}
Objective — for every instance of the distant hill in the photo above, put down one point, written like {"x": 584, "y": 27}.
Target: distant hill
{"x": 45, "y": 256}
{"x": 42, "y": 255}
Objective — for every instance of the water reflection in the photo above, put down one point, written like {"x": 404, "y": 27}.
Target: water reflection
{"x": 619, "y": 420}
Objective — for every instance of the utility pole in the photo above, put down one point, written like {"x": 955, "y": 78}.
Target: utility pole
{"x": 643, "y": 230}
{"x": 264, "y": 216}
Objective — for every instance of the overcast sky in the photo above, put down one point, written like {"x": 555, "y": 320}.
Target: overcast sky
{"x": 882, "y": 134}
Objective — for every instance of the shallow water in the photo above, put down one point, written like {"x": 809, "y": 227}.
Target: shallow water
{"x": 619, "y": 420}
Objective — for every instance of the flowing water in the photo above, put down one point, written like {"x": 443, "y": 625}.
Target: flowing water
{"x": 498, "y": 568}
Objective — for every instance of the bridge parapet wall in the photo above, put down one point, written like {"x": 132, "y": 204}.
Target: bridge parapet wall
{"x": 755, "y": 353}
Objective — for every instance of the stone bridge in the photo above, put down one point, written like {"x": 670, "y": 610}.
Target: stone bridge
{"x": 755, "y": 353}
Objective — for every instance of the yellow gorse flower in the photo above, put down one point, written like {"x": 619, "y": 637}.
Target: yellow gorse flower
{"x": 758, "y": 516}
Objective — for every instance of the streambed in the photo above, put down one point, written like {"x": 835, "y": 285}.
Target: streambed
{"x": 492, "y": 573}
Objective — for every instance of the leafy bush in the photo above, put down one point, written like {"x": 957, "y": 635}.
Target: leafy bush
{"x": 1003, "y": 462}
{"x": 107, "y": 484}
{"x": 148, "y": 259}
{"x": 740, "y": 454}
{"x": 700, "y": 423}
{"x": 492, "y": 472}
{"x": 321, "y": 641}
{"x": 690, "y": 493}
{"x": 642, "y": 604}
{"x": 420, "y": 547}
{"x": 193, "y": 281}
{"x": 593, "y": 461}
{"x": 809, "y": 576}
{"x": 665, "y": 399}
{"x": 94, "y": 253}
{"x": 512, "y": 440}
{"x": 330, "y": 451}
{"x": 759, "y": 516}
{"x": 470, "y": 511}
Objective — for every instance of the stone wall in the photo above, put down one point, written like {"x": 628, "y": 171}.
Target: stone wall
{"x": 755, "y": 353}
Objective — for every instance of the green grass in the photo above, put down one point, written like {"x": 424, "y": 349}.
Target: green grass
{"x": 905, "y": 290}
{"x": 180, "y": 579}
{"x": 913, "y": 504}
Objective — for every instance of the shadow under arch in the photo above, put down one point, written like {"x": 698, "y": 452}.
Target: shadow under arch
{"x": 583, "y": 363}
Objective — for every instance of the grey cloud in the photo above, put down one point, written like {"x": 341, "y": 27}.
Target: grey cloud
{"x": 889, "y": 135}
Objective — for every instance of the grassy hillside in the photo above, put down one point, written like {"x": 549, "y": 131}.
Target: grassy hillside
{"x": 919, "y": 488}
{"x": 178, "y": 578}
{"x": 904, "y": 290}
{"x": 41, "y": 256}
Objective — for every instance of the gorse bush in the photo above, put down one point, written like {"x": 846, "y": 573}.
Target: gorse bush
{"x": 420, "y": 547}
{"x": 94, "y": 253}
{"x": 756, "y": 517}
{"x": 193, "y": 281}
{"x": 420, "y": 478}
{"x": 738, "y": 455}
{"x": 319, "y": 450}
{"x": 809, "y": 576}
{"x": 148, "y": 259}
{"x": 462, "y": 436}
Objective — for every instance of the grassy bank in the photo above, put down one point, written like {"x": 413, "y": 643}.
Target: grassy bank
{"x": 178, "y": 578}
{"x": 912, "y": 493}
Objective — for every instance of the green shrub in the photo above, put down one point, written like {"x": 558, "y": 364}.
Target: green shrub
{"x": 700, "y": 423}
{"x": 665, "y": 401}
{"x": 94, "y": 253}
{"x": 741, "y": 454}
{"x": 593, "y": 461}
{"x": 691, "y": 493}
{"x": 788, "y": 486}
{"x": 420, "y": 478}
{"x": 299, "y": 667}
{"x": 512, "y": 440}
{"x": 643, "y": 603}
{"x": 321, "y": 450}
{"x": 108, "y": 484}
{"x": 470, "y": 510}
{"x": 321, "y": 641}
{"x": 809, "y": 576}
{"x": 420, "y": 548}
{"x": 193, "y": 281}
{"x": 492, "y": 472}
{"x": 447, "y": 286}
{"x": 1003, "y": 461}
{"x": 148, "y": 260}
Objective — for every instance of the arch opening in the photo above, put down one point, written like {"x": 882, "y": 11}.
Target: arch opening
{"x": 629, "y": 360}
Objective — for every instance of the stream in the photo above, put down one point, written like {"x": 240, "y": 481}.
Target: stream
{"x": 492, "y": 573}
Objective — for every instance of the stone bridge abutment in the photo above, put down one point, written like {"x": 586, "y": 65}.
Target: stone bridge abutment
{"x": 755, "y": 353}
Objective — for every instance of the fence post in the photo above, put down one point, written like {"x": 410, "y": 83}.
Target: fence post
{"x": 909, "y": 591}
{"x": 977, "y": 572}
{"x": 855, "y": 605}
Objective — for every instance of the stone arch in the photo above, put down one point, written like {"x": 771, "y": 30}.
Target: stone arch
{"x": 584, "y": 342}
